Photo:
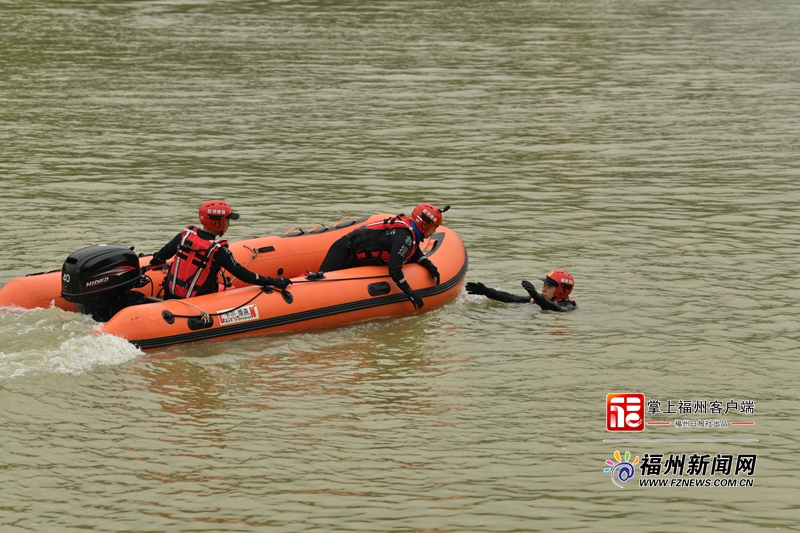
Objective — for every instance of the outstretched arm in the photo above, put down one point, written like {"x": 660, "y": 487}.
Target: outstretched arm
{"x": 494, "y": 294}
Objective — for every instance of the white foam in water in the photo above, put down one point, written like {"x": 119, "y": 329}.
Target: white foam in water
{"x": 52, "y": 341}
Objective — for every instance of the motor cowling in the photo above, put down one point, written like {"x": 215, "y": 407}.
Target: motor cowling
{"x": 98, "y": 279}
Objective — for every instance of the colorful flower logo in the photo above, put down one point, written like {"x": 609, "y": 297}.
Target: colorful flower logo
{"x": 621, "y": 470}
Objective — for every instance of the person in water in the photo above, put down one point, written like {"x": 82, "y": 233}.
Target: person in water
{"x": 394, "y": 242}
{"x": 556, "y": 287}
{"x": 201, "y": 253}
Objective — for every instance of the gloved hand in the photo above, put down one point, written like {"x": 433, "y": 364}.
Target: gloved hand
{"x": 155, "y": 261}
{"x": 476, "y": 288}
{"x": 528, "y": 286}
{"x": 415, "y": 299}
{"x": 280, "y": 283}
{"x": 427, "y": 263}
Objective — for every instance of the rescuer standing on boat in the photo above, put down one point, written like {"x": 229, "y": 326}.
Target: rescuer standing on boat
{"x": 554, "y": 296}
{"x": 394, "y": 241}
{"x": 201, "y": 254}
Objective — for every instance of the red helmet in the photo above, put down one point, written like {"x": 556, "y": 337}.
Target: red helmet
{"x": 562, "y": 281}
{"x": 213, "y": 212}
{"x": 425, "y": 216}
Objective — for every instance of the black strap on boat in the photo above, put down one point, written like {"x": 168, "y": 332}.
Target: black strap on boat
{"x": 316, "y": 277}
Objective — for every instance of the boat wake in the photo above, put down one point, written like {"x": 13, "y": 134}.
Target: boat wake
{"x": 40, "y": 342}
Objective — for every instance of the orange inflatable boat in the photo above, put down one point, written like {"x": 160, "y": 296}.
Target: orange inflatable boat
{"x": 337, "y": 298}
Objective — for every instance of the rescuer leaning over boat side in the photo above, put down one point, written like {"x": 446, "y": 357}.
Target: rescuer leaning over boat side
{"x": 394, "y": 241}
{"x": 201, "y": 254}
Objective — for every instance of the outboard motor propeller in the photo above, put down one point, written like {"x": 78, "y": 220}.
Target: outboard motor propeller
{"x": 99, "y": 279}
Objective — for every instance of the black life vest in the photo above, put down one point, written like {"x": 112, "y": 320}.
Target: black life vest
{"x": 193, "y": 263}
{"x": 370, "y": 243}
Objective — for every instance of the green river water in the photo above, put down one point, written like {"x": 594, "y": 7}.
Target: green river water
{"x": 649, "y": 148}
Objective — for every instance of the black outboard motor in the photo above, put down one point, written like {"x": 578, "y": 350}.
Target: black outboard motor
{"x": 99, "y": 279}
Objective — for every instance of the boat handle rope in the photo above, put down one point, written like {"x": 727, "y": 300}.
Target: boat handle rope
{"x": 205, "y": 316}
{"x": 257, "y": 251}
{"x": 253, "y": 256}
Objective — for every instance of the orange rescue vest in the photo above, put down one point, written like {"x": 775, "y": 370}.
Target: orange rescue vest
{"x": 193, "y": 263}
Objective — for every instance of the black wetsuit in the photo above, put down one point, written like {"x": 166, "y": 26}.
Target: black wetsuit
{"x": 532, "y": 297}
{"x": 397, "y": 241}
{"x": 223, "y": 258}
